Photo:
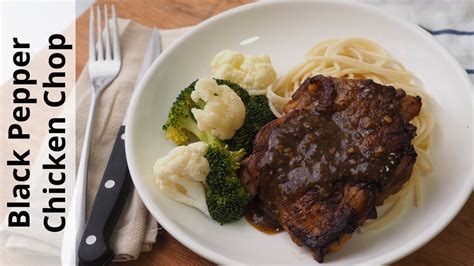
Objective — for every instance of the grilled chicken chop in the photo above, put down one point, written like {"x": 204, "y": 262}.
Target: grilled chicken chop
{"x": 342, "y": 148}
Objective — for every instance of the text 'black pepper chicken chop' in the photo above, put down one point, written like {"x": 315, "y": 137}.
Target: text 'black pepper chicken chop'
{"x": 342, "y": 147}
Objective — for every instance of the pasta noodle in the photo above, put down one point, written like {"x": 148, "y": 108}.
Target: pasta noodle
{"x": 358, "y": 58}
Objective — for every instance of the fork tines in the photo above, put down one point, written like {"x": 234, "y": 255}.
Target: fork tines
{"x": 110, "y": 52}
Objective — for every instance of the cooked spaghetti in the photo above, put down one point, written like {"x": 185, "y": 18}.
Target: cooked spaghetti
{"x": 357, "y": 58}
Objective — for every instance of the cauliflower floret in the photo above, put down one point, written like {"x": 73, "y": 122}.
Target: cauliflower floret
{"x": 252, "y": 72}
{"x": 229, "y": 57}
{"x": 181, "y": 175}
{"x": 224, "y": 111}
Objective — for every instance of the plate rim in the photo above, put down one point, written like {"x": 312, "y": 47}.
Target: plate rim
{"x": 211, "y": 255}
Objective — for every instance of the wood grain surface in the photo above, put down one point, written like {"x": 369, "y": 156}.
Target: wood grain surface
{"x": 453, "y": 246}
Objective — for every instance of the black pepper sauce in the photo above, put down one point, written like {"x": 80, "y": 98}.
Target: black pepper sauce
{"x": 285, "y": 174}
{"x": 257, "y": 218}
{"x": 299, "y": 159}
{"x": 314, "y": 152}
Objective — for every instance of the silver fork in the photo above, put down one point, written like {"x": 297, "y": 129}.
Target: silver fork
{"x": 104, "y": 66}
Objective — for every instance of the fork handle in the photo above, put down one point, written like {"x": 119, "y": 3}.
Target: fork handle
{"x": 94, "y": 248}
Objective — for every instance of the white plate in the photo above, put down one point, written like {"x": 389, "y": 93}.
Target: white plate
{"x": 286, "y": 31}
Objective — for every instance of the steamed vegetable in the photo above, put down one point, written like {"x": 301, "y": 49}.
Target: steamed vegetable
{"x": 181, "y": 127}
{"x": 226, "y": 197}
{"x": 181, "y": 175}
{"x": 205, "y": 177}
{"x": 222, "y": 111}
{"x": 252, "y": 72}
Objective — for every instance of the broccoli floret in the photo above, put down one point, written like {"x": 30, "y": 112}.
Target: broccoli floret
{"x": 226, "y": 198}
{"x": 257, "y": 114}
{"x": 181, "y": 127}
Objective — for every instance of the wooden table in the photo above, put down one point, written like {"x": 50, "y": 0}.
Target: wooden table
{"x": 454, "y": 246}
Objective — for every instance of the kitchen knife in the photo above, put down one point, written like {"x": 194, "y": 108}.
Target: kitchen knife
{"x": 94, "y": 248}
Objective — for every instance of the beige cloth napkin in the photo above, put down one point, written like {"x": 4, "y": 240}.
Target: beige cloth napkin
{"x": 136, "y": 229}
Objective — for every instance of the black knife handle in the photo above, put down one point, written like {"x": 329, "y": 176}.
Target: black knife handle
{"x": 94, "y": 248}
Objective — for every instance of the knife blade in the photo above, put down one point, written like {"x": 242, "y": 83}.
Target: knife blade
{"x": 94, "y": 248}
